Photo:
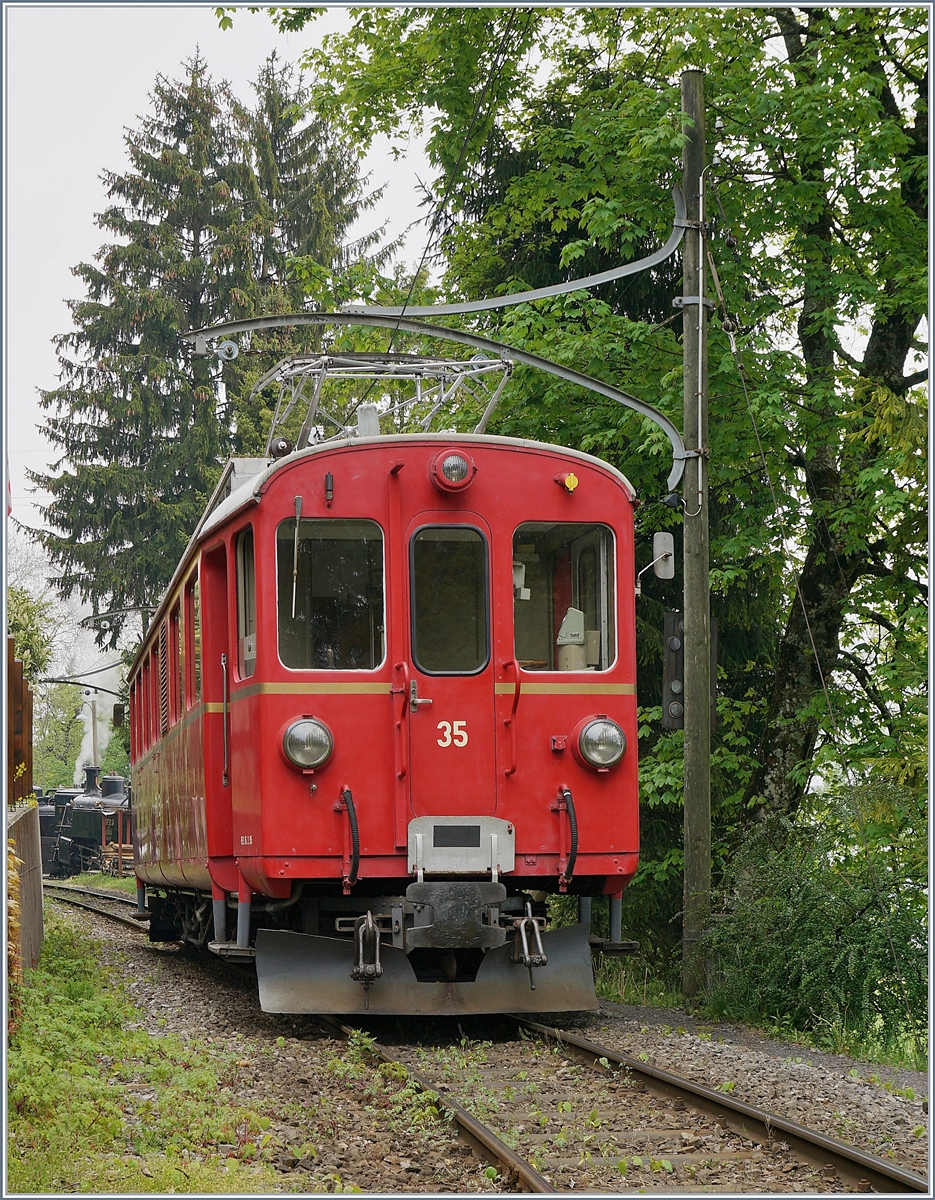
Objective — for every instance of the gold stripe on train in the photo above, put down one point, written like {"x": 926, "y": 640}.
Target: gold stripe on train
{"x": 312, "y": 689}
{"x": 567, "y": 689}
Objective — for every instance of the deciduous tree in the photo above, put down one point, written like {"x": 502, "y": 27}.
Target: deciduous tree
{"x": 556, "y": 136}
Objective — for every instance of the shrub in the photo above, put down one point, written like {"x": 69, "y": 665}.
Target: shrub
{"x": 823, "y": 921}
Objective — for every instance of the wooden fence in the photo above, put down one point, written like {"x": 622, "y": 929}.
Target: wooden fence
{"x": 25, "y": 935}
{"x": 19, "y": 728}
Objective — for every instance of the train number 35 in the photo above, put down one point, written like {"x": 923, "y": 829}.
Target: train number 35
{"x": 453, "y": 733}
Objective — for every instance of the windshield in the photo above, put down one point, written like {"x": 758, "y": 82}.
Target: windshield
{"x": 563, "y": 596}
{"x": 449, "y": 600}
{"x": 330, "y": 592}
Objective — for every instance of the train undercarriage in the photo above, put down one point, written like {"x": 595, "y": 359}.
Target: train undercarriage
{"x": 444, "y": 946}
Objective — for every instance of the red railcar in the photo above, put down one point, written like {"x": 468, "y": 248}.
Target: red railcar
{"x": 386, "y": 706}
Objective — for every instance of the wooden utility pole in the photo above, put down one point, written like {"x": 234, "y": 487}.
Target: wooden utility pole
{"x": 696, "y": 607}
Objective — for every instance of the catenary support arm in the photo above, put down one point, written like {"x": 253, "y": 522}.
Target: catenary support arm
{"x": 200, "y": 339}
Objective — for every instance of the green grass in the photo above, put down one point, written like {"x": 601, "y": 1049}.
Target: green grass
{"x": 833, "y": 1035}
{"x": 123, "y": 883}
{"x": 93, "y": 1106}
{"x": 631, "y": 981}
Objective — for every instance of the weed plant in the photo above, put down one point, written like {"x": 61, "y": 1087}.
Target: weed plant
{"x": 822, "y": 927}
{"x": 97, "y": 879}
{"x": 95, "y": 1106}
{"x": 632, "y": 980}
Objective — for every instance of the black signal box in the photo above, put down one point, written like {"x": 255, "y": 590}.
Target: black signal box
{"x": 673, "y": 671}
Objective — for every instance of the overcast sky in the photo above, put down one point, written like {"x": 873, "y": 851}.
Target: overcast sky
{"x": 75, "y": 77}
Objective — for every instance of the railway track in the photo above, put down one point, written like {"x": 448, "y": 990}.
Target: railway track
{"x": 69, "y": 894}
{"x": 562, "y": 1113}
{"x": 553, "y": 1111}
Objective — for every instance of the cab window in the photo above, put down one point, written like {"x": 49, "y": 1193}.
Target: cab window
{"x": 330, "y": 594}
{"x": 563, "y": 596}
{"x": 449, "y": 600}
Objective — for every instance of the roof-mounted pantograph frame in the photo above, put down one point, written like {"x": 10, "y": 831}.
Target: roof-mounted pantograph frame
{"x": 394, "y": 319}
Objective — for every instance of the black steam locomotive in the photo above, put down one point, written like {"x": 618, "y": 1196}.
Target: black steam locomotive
{"x": 86, "y": 829}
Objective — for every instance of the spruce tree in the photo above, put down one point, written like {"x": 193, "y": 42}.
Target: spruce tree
{"x": 134, "y": 417}
{"x": 307, "y": 176}
{"x": 214, "y": 200}
{"x": 309, "y": 194}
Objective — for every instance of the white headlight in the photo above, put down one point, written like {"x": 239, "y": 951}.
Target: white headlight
{"x": 455, "y": 468}
{"x": 308, "y": 743}
{"x": 602, "y": 742}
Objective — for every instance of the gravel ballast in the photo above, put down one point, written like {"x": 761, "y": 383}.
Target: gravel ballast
{"x": 879, "y": 1109}
{"x": 289, "y": 1073}
{"x": 332, "y": 1135}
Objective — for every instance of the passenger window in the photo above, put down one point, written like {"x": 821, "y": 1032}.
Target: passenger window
{"x": 563, "y": 596}
{"x": 330, "y": 590}
{"x": 177, "y": 687}
{"x": 134, "y": 723}
{"x": 193, "y": 639}
{"x": 449, "y": 600}
{"x": 144, "y": 707}
{"x": 246, "y": 605}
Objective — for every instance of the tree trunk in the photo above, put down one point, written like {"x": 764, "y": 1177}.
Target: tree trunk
{"x": 800, "y": 702}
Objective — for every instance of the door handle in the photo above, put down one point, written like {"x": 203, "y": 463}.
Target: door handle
{"x": 510, "y": 721}
{"x": 414, "y": 700}
{"x": 402, "y": 724}
{"x": 225, "y": 698}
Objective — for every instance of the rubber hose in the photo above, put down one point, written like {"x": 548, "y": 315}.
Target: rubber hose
{"x": 355, "y": 835}
{"x": 573, "y": 822}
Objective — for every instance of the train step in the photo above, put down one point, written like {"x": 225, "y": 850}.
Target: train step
{"x": 231, "y": 950}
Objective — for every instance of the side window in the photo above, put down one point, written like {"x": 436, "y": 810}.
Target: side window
{"x": 192, "y": 642}
{"x": 246, "y": 605}
{"x": 330, "y": 594}
{"x": 134, "y": 721}
{"x": 146, "y": 704}
{"x": 564, "y": 615}
{"x": 176, "y": 690}
{"x": 449, "y": 600}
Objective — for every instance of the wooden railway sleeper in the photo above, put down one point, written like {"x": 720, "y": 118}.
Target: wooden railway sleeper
{"x": 853, "y": 1165}
{"x": 482, "y": 1139}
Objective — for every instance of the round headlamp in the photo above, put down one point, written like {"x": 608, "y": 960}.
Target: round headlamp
{"x": 600, "y": 743}
{"x": 307, "y": 744}
{"x": 453, "y": 470}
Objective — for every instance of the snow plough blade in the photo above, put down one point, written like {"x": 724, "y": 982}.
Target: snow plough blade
{"x": 301, "y": 973}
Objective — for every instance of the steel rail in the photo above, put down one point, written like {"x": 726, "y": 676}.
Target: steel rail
{"x": 102, "y": 893}
{"x": 101, "y": 912}
{"x": 818, "y": 1149}
{"x": 478, "y": 1134}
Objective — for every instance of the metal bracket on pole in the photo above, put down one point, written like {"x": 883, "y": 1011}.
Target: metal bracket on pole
{"x": 681, "y": 301}
{"x": 406, "y": 325}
